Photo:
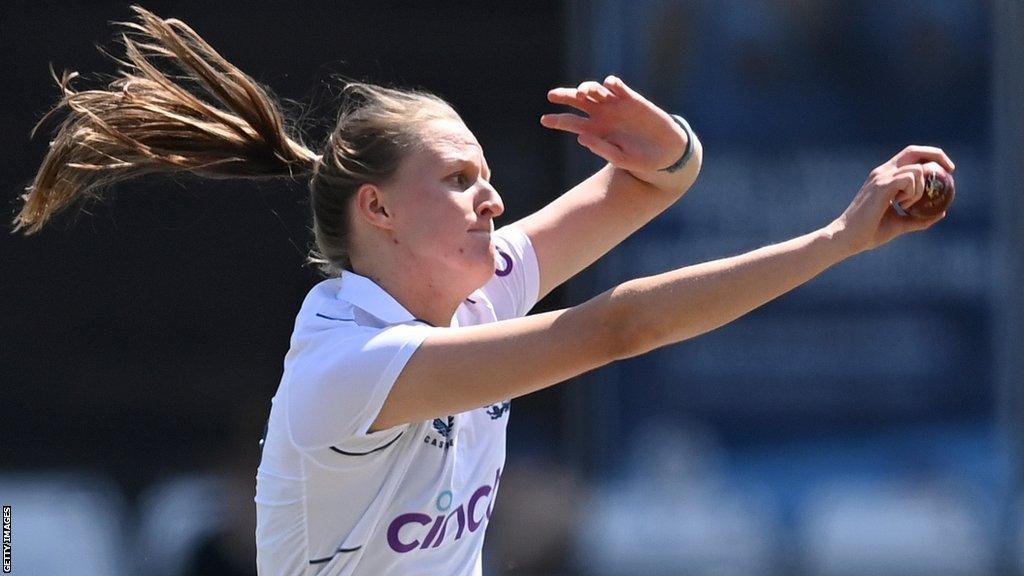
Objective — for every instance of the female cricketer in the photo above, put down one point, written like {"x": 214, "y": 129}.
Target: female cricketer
{"x": 386, "y": 438}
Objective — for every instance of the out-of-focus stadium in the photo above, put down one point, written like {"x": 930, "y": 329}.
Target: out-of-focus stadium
{"x": 867, "y": 423}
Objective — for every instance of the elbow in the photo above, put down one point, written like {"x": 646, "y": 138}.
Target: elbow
{"x": 636, "y": 337}
{"x": 626, "y": 331}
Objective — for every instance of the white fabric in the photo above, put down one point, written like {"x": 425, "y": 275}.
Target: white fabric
{"x": 335, "y": 500}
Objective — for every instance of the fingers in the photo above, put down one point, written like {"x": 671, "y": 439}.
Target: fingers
{"x": 595, "y": 91}
{"x": 583, "y": 97}
{"x": 578, "y": 125}
{"x": 571, "y": 97}
{"x": 618, "y": 87}
{"x": 922, "y": 154}
{"x": 567, "y": 122}
{"x": 907, "y": 196}
{"x": 900, "y": 184}
{"x": 602, "y": 148}
{"x": 591, "y": 92}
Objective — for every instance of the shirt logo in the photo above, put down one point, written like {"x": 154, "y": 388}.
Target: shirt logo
{"x": 496, "y": 411}
{"x": 508, "y": 264}
{"x": 408, "y": 532}
{"x": 444, "y": 429}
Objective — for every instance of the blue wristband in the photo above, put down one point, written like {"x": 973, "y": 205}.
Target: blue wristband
{"x": 688, "y": 153}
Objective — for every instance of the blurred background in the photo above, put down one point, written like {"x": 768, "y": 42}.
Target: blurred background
{"x": 867, "y": 423}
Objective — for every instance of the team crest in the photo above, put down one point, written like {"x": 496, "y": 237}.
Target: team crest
{"x": 444, "y": 429}
{"x": 496, "y": 411}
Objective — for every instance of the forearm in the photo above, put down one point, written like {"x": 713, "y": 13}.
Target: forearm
{"x": 595, "y": 216}
{"x": 658, "y": 310}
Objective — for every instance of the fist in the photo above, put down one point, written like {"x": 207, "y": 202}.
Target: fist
{"x": 938, "y": 193}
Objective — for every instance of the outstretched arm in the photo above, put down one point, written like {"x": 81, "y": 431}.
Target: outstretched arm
{"x": 457, "y": 369}
{"x": 638, "y": 139}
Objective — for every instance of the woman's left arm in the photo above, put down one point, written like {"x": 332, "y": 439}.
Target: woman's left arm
{"x": 639, "y": 140}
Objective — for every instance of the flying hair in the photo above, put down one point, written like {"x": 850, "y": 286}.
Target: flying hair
{"x": 175, "y": 106}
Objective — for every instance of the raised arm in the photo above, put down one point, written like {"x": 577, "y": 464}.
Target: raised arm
{"x": 457, "y": 369}
{"x": 638, "y": 139}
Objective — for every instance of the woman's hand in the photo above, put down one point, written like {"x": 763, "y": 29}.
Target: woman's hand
{"x": 870, "y": 221}
{"x": 620, "y": 125}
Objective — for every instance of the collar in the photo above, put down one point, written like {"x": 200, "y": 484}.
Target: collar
{"x": 366, "y": 295}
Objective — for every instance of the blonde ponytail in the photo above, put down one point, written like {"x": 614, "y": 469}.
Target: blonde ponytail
{"x": 202, "y": 115}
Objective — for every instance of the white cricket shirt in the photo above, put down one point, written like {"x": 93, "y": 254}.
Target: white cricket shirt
{"x": 335, "y": 500}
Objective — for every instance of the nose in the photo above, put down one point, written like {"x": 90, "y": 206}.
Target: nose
{"x": 489, "y": 204}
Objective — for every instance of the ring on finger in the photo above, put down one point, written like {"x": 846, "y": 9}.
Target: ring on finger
{"x": 899, "y": 209}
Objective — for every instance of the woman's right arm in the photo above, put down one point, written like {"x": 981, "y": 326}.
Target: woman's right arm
{"x": 459, "y": 369}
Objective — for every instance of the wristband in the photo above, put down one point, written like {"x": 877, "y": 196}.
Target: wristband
{"x": 688, "y": 153}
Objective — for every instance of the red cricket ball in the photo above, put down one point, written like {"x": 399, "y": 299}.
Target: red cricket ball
{"x": 939, "y": 190}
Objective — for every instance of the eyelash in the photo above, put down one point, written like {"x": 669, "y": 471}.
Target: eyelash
{"x": 461, "y": 179}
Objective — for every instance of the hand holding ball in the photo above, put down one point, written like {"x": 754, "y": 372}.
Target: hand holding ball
{"x": 939, "y": 191}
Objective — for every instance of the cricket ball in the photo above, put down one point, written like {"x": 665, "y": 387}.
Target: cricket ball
{"x": 939, "y": 190}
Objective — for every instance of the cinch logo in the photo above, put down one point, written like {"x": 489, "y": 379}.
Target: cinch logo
{"x": 405, "y": 533}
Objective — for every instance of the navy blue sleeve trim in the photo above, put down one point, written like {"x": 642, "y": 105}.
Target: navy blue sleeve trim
{"x": 377, "y": 449}
{"x": 319, "y": 315}
{"x": 336, "y": 552}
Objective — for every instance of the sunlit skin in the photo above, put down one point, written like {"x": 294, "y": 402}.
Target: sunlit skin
{"x": 424, "y": 235}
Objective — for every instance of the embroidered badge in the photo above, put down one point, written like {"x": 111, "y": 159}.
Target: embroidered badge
{"x": 496, "y": 411}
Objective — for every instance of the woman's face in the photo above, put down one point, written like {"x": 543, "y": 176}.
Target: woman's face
{"x": 444, "y": 207}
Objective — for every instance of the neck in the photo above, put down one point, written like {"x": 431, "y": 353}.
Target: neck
{"x": 425, "y": 297}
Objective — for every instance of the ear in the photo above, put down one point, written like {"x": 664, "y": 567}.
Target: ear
{"x": 370, "y": 206}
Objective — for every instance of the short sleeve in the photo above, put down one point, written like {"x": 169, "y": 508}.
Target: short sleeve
{"x": 515, "y": 287}
{"x": 338, "y": 379}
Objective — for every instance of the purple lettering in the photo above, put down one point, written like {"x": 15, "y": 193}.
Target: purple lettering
{"x": 438, "y": 523}
{"x": 508, "y": 265}
{"x": 462, "y": 524}
{"x": 396, "y": 544}
{"x": 480, "y": 493}
{"x": 490, "y": 505}
{"x": 465, "y": 514}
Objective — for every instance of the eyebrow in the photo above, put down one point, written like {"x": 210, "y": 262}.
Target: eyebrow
{"x": 466, "y": 161}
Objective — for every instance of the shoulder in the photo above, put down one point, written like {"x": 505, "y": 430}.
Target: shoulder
{"x": 322, "y": 304}
{"x": 330, "y": 328}
{"x": 515, "y": 286}
{"x": 512, "y": 246}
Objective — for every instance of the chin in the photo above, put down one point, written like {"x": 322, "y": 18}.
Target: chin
{"x": 481, "y": 270}
{"x": 474, "y": 266}
{"x": 482, "y": 273}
